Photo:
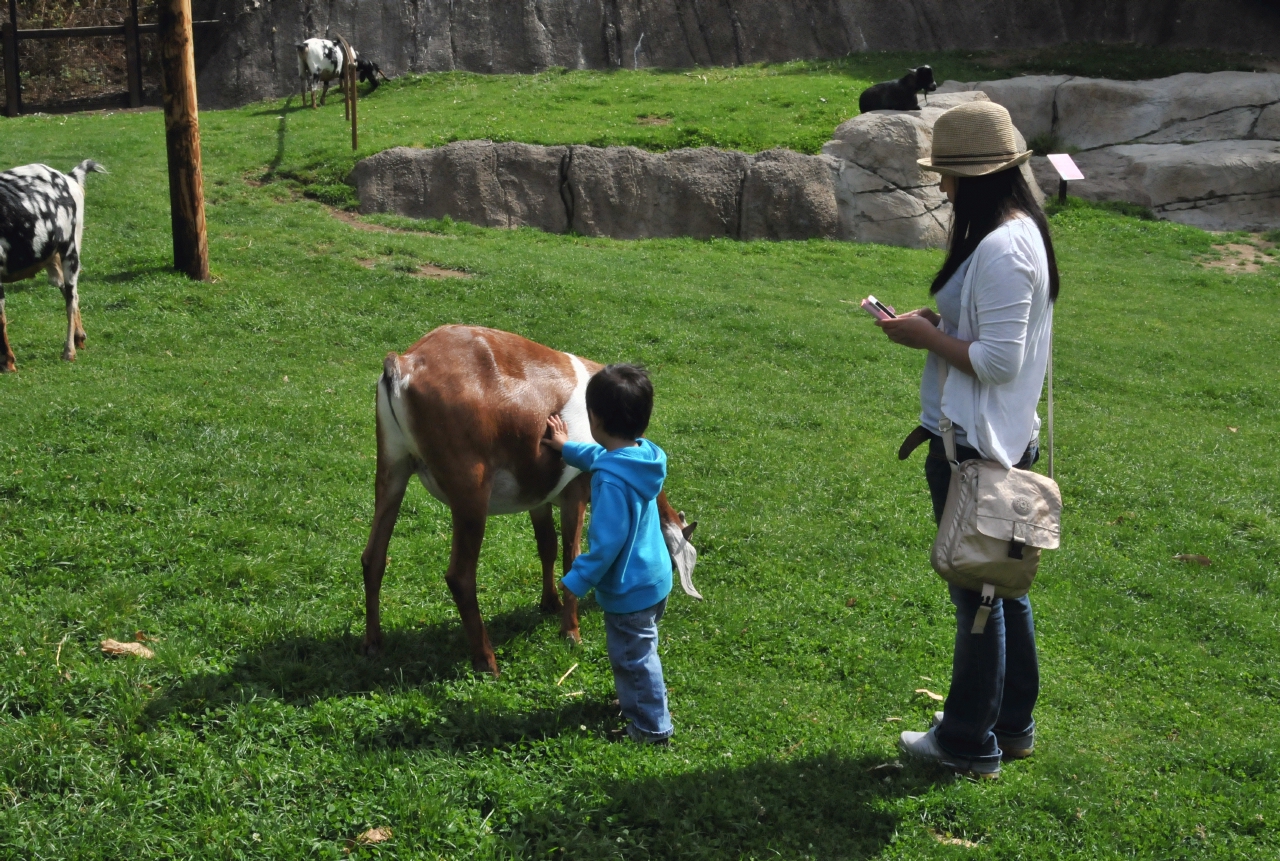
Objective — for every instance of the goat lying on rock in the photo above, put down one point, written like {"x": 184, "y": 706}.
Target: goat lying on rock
{"x": 41, "y": 223}
{"x": 899, "y": 95}
{"x": 466, "y": 410}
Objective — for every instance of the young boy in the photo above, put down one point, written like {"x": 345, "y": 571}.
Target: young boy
{"x": 628, "y": 564}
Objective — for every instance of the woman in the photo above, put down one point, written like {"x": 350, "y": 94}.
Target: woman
{"x": 995, "y": 296}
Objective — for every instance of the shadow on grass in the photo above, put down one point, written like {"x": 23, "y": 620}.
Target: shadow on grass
{"x": 820, "y": 806}
{"x": 304, "y": 670}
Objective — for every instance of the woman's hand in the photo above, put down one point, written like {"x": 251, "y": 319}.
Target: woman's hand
{"x": 913, "y": 329}
{"x": 919, "y": 331}
{"x": 559, "y": 433}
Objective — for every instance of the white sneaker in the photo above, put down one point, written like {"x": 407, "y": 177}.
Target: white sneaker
{"x": 1020, "y": 749}
{"x": 923, "y": 746}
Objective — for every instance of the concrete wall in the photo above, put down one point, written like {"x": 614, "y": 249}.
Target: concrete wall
{"x": 252, "y": 57}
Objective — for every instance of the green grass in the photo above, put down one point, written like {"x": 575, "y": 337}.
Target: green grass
{"x": 204, "y": 472}
{"x": 794, "y": 105}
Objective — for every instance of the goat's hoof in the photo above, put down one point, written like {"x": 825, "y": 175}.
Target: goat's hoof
{"x": 371, "y": 647}
{"x": 8, "y": 367}
{"x": 68, "y": 355}
{"x": 550, "y": 604}
{"x": 80, "y": 341}
{"x": 486, "y": 665}
{"x": 572, "y": 636}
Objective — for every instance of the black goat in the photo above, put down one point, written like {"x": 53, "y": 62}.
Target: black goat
{"x": 899, "y": 95}
{"x": 368, "y": 71}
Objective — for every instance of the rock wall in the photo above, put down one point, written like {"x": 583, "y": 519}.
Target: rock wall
{"x": 1197, "y": 149}
{"x": 622, "y": 192}
{"x": 865, "y": 187}
{"x": 252, "y": 56}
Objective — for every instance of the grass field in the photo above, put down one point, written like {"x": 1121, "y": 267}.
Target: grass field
{"x": 203, "y": 474}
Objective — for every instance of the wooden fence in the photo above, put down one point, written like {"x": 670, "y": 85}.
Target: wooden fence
{"x": 130, "y": 30}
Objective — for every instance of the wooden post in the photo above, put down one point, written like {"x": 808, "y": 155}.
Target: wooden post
{"x": 133, "y": 56}
{"x": 12, "y": 88}
{"x": 182, "y": 140}
{"x": 350, "y": 76}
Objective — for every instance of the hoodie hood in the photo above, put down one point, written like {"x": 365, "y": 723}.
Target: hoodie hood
{"x": 641, "y": 467}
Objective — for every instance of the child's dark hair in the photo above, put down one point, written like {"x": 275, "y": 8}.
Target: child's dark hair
{"x": 621, "y": 396}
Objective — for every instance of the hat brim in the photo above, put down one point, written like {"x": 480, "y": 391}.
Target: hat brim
{"x": 981, "y": 169}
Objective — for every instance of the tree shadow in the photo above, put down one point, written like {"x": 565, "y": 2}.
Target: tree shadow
{"x": 822, "y": 806}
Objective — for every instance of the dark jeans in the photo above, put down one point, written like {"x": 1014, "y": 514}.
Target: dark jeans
{"x": 995, "y": 677}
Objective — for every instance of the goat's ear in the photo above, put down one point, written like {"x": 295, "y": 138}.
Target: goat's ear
{"x": 687, "y": 531}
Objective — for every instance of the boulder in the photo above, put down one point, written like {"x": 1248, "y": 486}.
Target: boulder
{"x": 882, "y": 192}
{"x": 1215, "y": 185}
{"x": 1268, "y": 125}
{"x": 787, "y": 195}
{"x": 1028, "y": 99}
{"x": 494, "y": 185}
{"x": 530, "y": 179}
{"x": 628, "y": 193}
{"x": 1086, "y": 113}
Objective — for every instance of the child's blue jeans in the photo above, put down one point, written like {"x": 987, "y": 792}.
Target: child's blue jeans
{"x": 632, "y": 640}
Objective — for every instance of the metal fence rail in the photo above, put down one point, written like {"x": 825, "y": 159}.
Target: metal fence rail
{"x": 130, "y": 30}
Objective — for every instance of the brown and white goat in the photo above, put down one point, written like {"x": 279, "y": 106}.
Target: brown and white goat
{"x": 466, "y": 410}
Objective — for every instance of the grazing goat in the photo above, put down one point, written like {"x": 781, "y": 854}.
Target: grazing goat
{"x": 368, "y": 71}
{"x": 319, "y": 61}
{"x": 899, "y": 95}
{"x": 41, "y": 223}
{"x": 466, "y": 409}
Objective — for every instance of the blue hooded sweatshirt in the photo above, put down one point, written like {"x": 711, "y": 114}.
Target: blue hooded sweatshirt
{"x": 628, "y": 564}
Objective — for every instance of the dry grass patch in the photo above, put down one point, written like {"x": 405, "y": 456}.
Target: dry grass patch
{"x": 1248, "y": 256}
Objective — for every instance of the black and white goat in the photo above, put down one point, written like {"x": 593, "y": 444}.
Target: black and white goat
{"x": 899, "y": 95}
{"x": 41, "y": 223}
{"x": 319, "y": 61}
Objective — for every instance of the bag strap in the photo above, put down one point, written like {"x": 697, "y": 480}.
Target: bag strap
{"x": 1051, "y": 394}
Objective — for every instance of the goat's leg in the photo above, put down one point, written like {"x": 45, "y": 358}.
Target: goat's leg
{"x": 544, "y": 531}
{"x": 324, "y": 93}
{"x": 6, "y": 352}
{"x": 468, "y": 535}
{"x": 573, "y": 507}
{"x": 392, "y": 479}
{"x": 64, "y": 273}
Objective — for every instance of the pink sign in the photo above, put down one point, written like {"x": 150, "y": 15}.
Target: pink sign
{"x": 1065, "y": 166}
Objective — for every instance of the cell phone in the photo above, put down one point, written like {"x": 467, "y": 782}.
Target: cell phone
{"x": 878, "y": 309}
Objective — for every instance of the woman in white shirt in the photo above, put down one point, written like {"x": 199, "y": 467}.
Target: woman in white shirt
{"x": 995, "y": 295}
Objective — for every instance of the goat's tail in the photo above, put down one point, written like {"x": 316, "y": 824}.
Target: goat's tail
{"x": 389, "y": 388}
{"x": 84, "y": 168}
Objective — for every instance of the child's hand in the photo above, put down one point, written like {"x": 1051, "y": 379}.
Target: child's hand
{"x": 559, "y": 432}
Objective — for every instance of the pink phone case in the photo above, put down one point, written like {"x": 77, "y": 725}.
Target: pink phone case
{"x": 871, "y": 306}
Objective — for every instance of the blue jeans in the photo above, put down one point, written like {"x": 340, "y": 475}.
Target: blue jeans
{"x": 632, "y": 640}
{"x": 995, "y": 677}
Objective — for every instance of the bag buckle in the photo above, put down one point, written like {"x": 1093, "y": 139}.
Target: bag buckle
{"x": 984, "y": 609}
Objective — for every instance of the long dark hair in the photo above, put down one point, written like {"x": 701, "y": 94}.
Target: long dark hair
{"x": 983, "y": 203}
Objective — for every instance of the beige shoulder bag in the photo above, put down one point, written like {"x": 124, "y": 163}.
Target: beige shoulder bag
{"x": 996, "y": 521}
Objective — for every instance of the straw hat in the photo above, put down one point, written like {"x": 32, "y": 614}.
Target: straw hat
{"x": 974, "y": 139}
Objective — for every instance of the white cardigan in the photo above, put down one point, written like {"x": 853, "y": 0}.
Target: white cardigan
{"x": 1007, "y": 315}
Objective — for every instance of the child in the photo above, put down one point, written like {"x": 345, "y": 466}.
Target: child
{"x": 628, "y": 564}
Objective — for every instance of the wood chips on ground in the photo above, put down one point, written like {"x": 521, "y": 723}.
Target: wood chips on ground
{"x": 115, "y": 647}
